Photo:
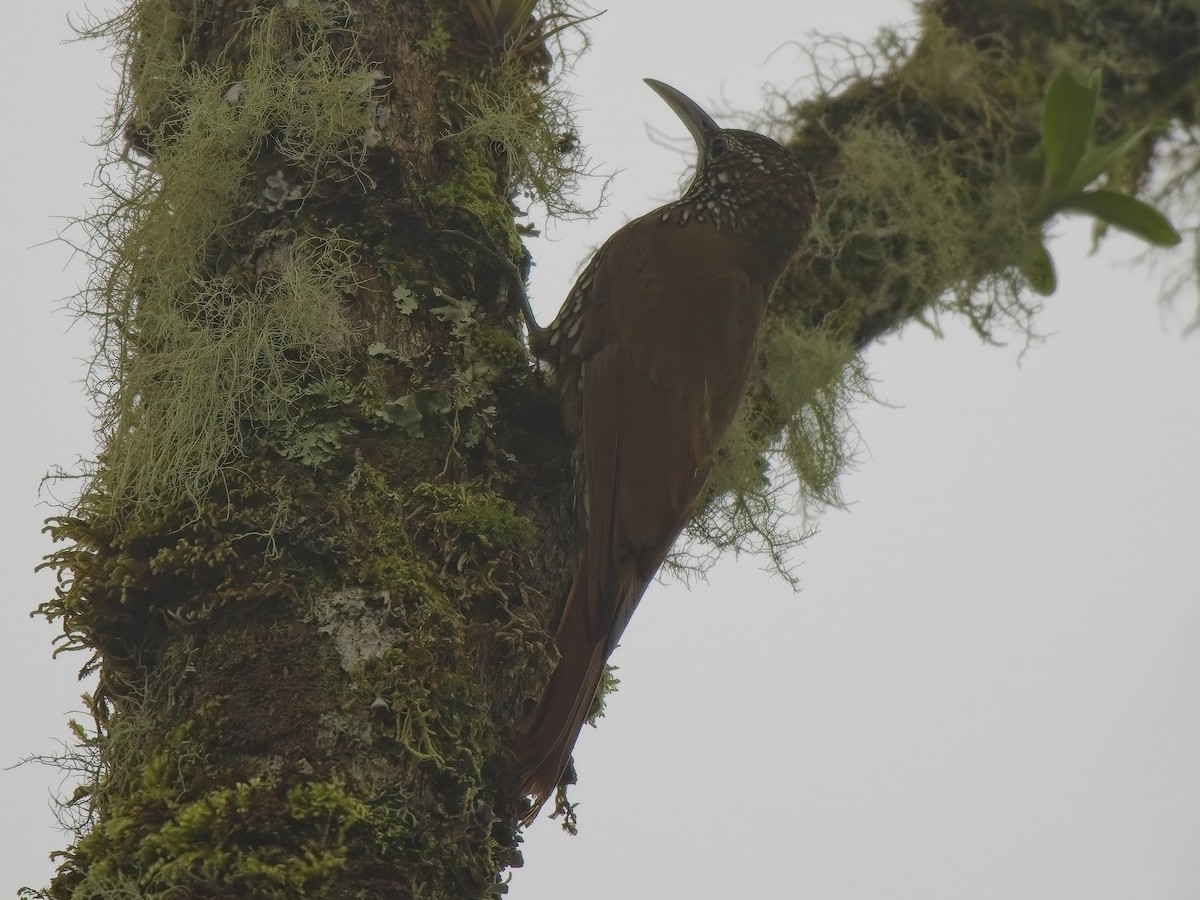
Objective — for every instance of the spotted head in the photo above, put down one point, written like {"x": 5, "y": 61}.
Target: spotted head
{"x": 745, "y": 182}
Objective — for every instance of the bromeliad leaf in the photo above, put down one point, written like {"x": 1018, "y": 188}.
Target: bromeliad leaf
{"x": 1127, "y": 213}
{"x": 1065, "y": 167}
{"x": 1096, "y": 162}
{"x": 1038, "y": 269}
{"x": 1067, "y": 118}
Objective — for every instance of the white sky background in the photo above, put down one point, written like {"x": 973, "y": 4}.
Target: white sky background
{"x": 988, "y": 686}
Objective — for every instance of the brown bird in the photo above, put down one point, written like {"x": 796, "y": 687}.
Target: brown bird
{"x": 651, "y": 352}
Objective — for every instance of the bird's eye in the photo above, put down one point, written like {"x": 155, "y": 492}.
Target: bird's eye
{"x": 718, "y": 146}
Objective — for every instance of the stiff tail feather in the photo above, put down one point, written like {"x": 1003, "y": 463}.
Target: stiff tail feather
{"x": 554, "y": 727}
{"x": 548, "y": 734}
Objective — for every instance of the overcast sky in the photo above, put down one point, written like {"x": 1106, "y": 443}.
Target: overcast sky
{"x": 988, "y": 686}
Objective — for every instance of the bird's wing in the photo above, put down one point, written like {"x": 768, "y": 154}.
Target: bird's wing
{"x": 652, "y": 350}
{"x": 666, "y": 346}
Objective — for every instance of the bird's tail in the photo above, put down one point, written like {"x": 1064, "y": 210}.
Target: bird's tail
{"x": 548, "y": 734}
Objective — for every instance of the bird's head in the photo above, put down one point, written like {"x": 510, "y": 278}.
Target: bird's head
{"x": 744, "y": 181}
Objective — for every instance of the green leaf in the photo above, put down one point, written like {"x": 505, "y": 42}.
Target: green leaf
{"x": 1067, "y": 119}
{"x": 1038, "y": 270}
{"x": 1127, "y": 213}
{"x": 1096, "y": 162}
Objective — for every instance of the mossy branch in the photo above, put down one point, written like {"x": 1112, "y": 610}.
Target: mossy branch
{"x": 917, "y": 143}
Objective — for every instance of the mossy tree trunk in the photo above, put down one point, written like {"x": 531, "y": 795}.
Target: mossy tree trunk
{"x": 318, "y": 558}
{"x": 315, "y": 558}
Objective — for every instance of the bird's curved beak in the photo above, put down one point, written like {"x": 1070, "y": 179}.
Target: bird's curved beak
{"x": 698, "y": 122}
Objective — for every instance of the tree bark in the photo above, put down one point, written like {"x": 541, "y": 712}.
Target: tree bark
{"x": 315, "y": 562}
{"x": 317, "y": 565}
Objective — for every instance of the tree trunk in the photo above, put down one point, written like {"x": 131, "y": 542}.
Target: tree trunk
{"x": 318, "y": 561}
{"x": 315, "y": 562}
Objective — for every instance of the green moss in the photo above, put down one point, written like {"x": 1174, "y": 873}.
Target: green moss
{"x": 190, "y": 349}
{"x": 136, "y": 771}
{"x": 469, "y": 517}
{"x": 419, "y": 690}
{"x": 899, "y": 187}
{"x": 533, "y": 127}
{"x": 461, "y": 524}
{"x": 236, "y": 836}
{"x": 273, "y": 840}
{"x": 964, "y": 87}
{"x": 471, "y": 185}
{"x": 501, "y": 349}
{"x": 423, "y": 684}
{"x": 394, "y": 564}
{"x": 131, "y": 581}
{"x": 926, "y": 216}
{"x": 435, "y": 42}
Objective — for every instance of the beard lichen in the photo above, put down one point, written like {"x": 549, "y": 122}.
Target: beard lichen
{"x": 194, "y": 342}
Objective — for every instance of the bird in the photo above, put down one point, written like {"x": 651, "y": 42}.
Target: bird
{"x": 651, "y": 353}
